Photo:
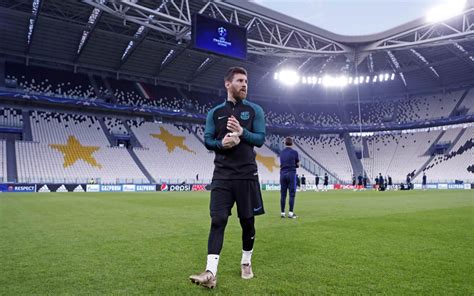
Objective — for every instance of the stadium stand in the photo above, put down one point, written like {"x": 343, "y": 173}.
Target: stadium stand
{"x": 454, "y": 164}
{"x": 3, "y": 161}
{"x": 203, "y": 102}
{"x": 284, "y": 118}
{"x": 468, "y": 102}
{"x": 330, "y": 152}
{"x": 172, "y": 153}
{"x": 72, "y": 148}
{"x": 11, "y": 117}
{"x": 320, "y": 118}
{"x": 115, "y": 126}
{"x": 397, "y": 154}
{"x": 51, "y": 82}
{"x": 393, "y": 153}
{"x": 125, "y": 93}
{"x": 427, "y": 107}
{"x": 374, "y": 112}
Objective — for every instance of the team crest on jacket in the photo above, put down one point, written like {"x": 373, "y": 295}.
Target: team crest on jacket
{"x": 245, "y": 115}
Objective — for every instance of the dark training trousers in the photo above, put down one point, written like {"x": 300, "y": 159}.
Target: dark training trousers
{"x": 216, "y": 235}
{"x": 224, "y": 194}
{"x": 288, "y": 183}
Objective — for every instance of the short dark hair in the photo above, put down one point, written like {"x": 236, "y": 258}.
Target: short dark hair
{"x": 229, "y": 75}
{"x": 288, "y": 141}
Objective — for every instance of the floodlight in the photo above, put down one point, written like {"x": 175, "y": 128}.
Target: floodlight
{"x": 289, "y": 77}
{"x": 445, "y": 11}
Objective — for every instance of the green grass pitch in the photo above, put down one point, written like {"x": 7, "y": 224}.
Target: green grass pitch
{"x": 344, "y": 242}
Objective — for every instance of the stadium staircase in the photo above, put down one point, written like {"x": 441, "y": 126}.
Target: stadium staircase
{"x": 429, "y": 152}
{"x": 12, "y": 175}
{"x": 93, "y": 82}
{"x": 141, "y": 166}
{"x": 106, "y": 131}
{"x": 453, "y": 143}
{"x": 27, "y": 134}
{"x": 109, "y": 89}
{"x": 345, "y": 118}
{"x": 357, "y": 167}
{"x": 133, "y": 138}
{"x": 135, "y": 143}
{"x": 455, "y": 109}
{"x": 308, "y": 157}
{"x": 190, "y": 128}
{"x": 456, "y": 140}
{"x": 365, "y": 146}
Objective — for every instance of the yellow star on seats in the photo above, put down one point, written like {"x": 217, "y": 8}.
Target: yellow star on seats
{"x": 73, "y": 151}
{"x": 171, "y": 141}
{"x": 267, "y": 161}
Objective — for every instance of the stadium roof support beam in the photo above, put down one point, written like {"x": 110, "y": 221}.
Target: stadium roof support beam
{"x": 420, "y": 59}
{"x": 172, "y": 55}
{"x": 430, "y": 34}
{"x": 35, "y": 10}
{"x": 461, "y": 53}
{"x": 396, "y": 66}
{"x": 276, "y": 38}
{"x": 171, "y": 21}
{"x": 370, "y": 63}
{"x": 86, "y": 33}
{"x": 408, "y": 69}
{"x": 206, "y": 64}
{"x": 139, "y": 36}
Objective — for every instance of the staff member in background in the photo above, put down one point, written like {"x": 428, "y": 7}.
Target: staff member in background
{"x": 289, "y": 161}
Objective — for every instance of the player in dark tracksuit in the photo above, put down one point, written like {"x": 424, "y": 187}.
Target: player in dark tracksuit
{"x": 289, "y": 161}
{"x": 316, "y": 182}
{"x": 233, "y": 129}
{"x": 326, "y": 182}
{"x": 381, "y": 182}
{"x": 360, "y": 182}
{"x": 424, "y": 182}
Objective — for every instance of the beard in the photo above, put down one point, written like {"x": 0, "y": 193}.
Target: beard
{"x": 239, "y": 94}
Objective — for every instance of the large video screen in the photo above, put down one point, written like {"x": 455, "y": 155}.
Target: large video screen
{"x": 219, "y": 37}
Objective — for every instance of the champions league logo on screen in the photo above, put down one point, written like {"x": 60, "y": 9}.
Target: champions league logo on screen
{"x": 221, "y": 41}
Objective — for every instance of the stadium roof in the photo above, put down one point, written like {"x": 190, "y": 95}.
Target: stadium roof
{"x": 344, "y": 17}
{"x": 149, "y": 40}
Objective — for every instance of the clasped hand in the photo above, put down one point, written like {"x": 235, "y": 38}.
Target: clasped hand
{"x": 232, "y": 139}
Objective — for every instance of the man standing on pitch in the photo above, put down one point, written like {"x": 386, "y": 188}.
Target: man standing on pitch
{"x": 317, "y": 182}
{"x": 289, "y": 161}
{"x": 326, "y": 182}
{"x": 424, "y": 181}
{"x": 233, "y": 128}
